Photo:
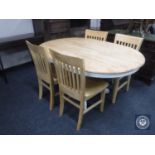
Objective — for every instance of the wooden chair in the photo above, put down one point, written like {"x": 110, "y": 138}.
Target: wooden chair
{"x": 45, "y": 71}
{"x": 97, "y": 35}
{"x": 73, "y": 85}
{"x": 130, "y": 41}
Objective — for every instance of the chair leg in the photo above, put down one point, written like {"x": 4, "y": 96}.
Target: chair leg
{"x": 128, "y": 84}
{"x": 61, "y": 104}
{"x": 115, "y": 90}
{"x": 40, "y": 89}
{"x": 103, "y": 101}
{"x": 81, "y": 113}
{"x": 51, "y": 98}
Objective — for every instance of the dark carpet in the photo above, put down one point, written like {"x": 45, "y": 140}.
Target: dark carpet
{"x": 22, "y": 113}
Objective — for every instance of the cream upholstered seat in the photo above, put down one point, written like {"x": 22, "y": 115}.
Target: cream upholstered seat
{"x": 94, "y": 86}
{"x": 97, "y": 35}
{"x": 73, "y": 85}
{"x": 132, "y": 42}
{"x": 45, "y": 71}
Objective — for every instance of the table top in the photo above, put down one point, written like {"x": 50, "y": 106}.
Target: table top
{"x": 102, "y": 59}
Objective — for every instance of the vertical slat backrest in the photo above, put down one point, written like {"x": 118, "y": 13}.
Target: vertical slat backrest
{"x": 129, "y": 41}
{"x": 97, "y": 35}
{"x": 40, "y": 60}
{"x": 70, "y": 73}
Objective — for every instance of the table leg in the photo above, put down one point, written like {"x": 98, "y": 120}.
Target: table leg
{"x": 85, "y": 105}
{"x": 107, "y": 91}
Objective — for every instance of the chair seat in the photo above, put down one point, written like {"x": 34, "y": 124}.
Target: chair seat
{"x": 94, "y": 86}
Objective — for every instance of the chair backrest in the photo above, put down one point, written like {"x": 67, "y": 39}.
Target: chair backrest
{"x": 130, "y": 41}
{"x": 43, "y": 68}
{"x": 70, "y": 73}
{"x": 97, "y": 35}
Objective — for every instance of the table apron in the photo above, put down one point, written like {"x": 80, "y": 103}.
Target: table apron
{"x": 110, "y": 76}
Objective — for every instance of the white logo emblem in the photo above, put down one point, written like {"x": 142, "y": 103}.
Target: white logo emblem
{"x": 142, "y": 122}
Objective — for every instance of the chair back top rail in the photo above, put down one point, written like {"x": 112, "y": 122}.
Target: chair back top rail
{"x": 130, "y": 41}
{"x": 97, "y": 35}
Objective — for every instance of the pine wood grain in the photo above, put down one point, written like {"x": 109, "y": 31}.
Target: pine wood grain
{"x": 100, "y": 57}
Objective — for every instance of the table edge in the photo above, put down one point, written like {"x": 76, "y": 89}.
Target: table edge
{"x": 114, "y": 75}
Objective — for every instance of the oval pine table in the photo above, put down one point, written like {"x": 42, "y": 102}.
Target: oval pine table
{"x": 102, "y": 59}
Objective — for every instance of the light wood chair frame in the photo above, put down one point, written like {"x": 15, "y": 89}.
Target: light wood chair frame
{"x": 132, "y": 42}
{"x": 97, "y": 35}
{"x": 44, "y": 71}
{"x": 72, "y": 85}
